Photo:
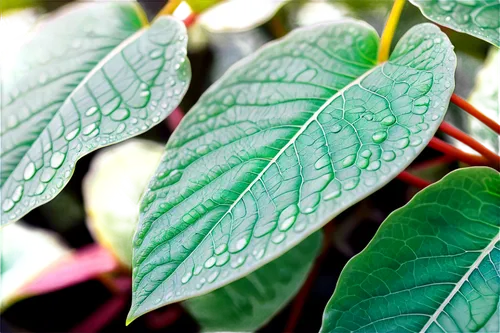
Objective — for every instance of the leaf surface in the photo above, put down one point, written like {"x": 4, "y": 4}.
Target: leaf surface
{"x": 433, "y": 266}
{"x": 486, "y": 97}
{"x": 249, "y": 303}
{"x": 479, "y": 18}
{"x": 78, "y": 91}
{"x": 283, "y": 142}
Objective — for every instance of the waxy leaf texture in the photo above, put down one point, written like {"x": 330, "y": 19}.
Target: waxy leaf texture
{"x": 89, "y": 79}
{"x": 433, "y": 266}
{"x": 286, "y": 140}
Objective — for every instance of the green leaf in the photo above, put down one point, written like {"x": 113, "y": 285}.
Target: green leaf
{"x": 112, "y": 204}
{"x": 283, "y": 142}
{"x": 79, "y": 91}
{"x": 486, "y": 96}
{"x": 433, "y": 266}
{"x": 249, "y": 303}
{"x": 479, "y": 18}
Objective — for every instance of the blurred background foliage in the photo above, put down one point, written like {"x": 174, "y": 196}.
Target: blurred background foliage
{"x": 223, "y": 33}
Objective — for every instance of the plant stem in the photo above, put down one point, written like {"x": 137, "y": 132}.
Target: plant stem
{"x": 448, "y": 149}
{"x": 470, "y": 141}
{"x": 418, "y": 182}
{"x": 301, "y": 297}
{"x": 169, "y": 8}
{"x": 390, "y": 28}
{"x": 467, "y": 107}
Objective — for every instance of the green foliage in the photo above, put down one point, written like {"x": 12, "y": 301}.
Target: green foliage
{"x": 91, "y": 77}
{"x": 431, "y": 267}
{"x": 247, "y": 304}
{"x": 286, "y": 140}
{"x": 479, "y": 18}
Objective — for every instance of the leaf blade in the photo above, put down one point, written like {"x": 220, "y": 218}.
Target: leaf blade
{"x": 457, "y": 215}
{"x": 130, "y": 90}
{"x": 476, "y": 18}
{"x": 256, "y": 298}
{"x": 274, "y": 173}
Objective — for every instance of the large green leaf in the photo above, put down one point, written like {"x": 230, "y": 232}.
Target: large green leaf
{"x": 249, "y": 303}
{"x": 433, "y": 266}
{"x": 486, "y": 96}
{"x": 286, "y": 140}
{"x": 479, "y": 18}
{"x": 78, "y": 91}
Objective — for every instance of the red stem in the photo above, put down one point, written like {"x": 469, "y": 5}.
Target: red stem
{"x": 413, "y": 180}
{"x": 103, "y": 315}
{"x": 301, "y": 297}
{"x": 470, "y": 109}
{"x": 470, "y": 141}
{"x": 448, "y": 149}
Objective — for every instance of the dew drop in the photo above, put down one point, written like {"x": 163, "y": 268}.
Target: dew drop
{"x": 221, "y": 248}
{"x": 415, "y": 141}
{"x": 366, "y": 153}
{"x": 379, "y": 137}
{"x": 197, "y": 270}
{"x": 388, "y": 121}
{"x": 351, "y": 183}
{"x": 7, "y": 205}
{"x": 222, "y": 259}
{"x": 57, "y": 159}
{"x": 88, "y": 129}
{"x": 322, "y": 162}
{"x": 210, "y": 262}
{"x": 336, "y": 128}
{"x": 278, "y": 238}
{"x": 388, "y": 156}
{"x": 363, "y": 163}
{"x": 435, "y": 117}
{"x": 186, "y": 277}
{"x": 155, "y": 54}
{"x": 213, "y": 276}
{"x": 332, "y": 195}
{"x": 348, "y": 161}
{"x": 71, "y": 135}
{"x": 402, "y": 143}
{"x": 239, "y": 245}
{"x": 238, "y": 262}
{"x": 258, "y": 254}
{"x": 120, "y": 128}
{"x": 120, "y": 114}
{"x": 375, "y": 165}
{"x": 91, "y": 111}
{"x": 18, "y": 193}
{"x": 40, "y": 188}
{"x": 29, "y": 171}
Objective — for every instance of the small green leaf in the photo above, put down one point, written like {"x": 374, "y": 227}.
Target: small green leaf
{"x": 283, "y": 142}
{"x": 249, "y": 303}
{"x": 79, "y": 91}
{"x": 479, "y": 18}
{"x": 486, "y": 97}
{"x": 431, "y": 267}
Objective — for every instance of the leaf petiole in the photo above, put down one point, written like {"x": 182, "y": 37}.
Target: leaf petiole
{"x": 390, "y": 28}
{"x": 470, "y": 109}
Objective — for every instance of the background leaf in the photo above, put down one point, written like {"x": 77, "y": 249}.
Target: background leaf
{"x": 239, "y": 15}
{"x": 132, "y": 89}
{"x": 112, "y": 204}
{"x": 479, "y": 18}
{"x": 486, "y": 96}
{"x": 249, "y": 303}
{"x": 279, "y": 146}
{"x": 431, "y": 267}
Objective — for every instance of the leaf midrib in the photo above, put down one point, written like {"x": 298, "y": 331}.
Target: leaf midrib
{"x": 270, "y": 163}
{"x": 487, "y": 250}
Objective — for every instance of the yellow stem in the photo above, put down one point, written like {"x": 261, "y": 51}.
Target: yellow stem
{"x": 390, "y": 28}
{"x": 169, "y": 8}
